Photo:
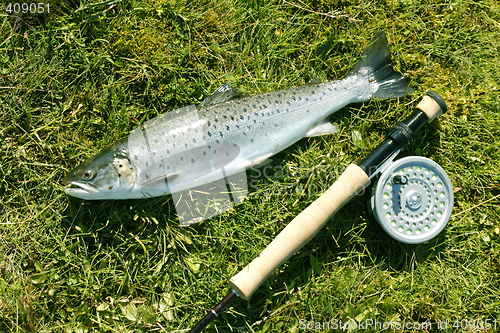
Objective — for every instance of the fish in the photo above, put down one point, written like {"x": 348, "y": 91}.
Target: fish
{"x": 229, "y": 132}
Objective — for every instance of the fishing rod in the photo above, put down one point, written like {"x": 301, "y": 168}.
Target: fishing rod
{"x": 354, "y": 180}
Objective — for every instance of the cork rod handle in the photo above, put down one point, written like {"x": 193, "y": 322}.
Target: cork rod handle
{"x": 299, "y": 231}
{"x": 433, "y": 105}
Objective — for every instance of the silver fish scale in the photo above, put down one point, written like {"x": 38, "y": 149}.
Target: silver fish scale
{"x": 159, "y": 148}
{"x": 174, "y": 132}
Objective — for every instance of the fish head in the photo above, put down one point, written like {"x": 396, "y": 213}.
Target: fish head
{"x": 107, "y": 175}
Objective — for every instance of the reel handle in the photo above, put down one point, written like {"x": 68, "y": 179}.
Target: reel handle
{"x": 299, "y": 231}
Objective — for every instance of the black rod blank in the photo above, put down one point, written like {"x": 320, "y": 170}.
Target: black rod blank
{"x": 402, "y": 133}
{"x": 214, "y": 312}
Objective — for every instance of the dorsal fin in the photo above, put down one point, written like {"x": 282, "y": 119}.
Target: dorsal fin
{"x": 222, "y": 94}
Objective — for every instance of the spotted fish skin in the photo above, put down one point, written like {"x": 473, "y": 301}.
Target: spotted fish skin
{"x": 165, "y": 156}
{"x": 266, "y": 124}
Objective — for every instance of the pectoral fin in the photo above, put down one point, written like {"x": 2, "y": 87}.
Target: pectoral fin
{"x": 154, "y": 181}
{"x": 322, "y": 128}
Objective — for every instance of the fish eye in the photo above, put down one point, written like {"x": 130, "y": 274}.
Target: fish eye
{"x": 87, "y": 174}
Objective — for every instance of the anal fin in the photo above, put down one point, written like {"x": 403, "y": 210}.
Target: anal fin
{"x": 322, "y": 128}
{"x": 259, "y": 161}
{"x": 314, "y": 80}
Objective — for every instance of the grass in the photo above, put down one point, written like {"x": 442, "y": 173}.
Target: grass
{"x": 76, "y": 80}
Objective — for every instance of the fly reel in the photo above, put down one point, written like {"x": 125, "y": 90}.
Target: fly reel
{"x": 412, "y": 199}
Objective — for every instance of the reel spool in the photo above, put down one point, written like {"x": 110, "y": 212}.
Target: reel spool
{"x": 412, "y": 199}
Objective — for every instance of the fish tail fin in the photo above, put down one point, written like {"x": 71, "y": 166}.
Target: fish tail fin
{"x": 377, "y": 58}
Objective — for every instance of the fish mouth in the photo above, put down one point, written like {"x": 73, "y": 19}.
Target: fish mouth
{"x": 80, "y": 189}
